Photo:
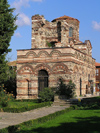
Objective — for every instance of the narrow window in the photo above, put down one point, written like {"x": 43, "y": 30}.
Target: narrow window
{"x": 70, "y": 32}
{"x": 88, "y": 76}
{"x": 59, "y": 31}
{"x": 97, "y": 72}
{"x": 42, "y": 79}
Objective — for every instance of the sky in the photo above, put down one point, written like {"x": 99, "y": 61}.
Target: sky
{"x": 86, "y": 11}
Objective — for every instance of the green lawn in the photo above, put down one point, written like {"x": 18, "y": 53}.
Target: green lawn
{"x": 75, "y": 121}
{"x": 23, "y": 105}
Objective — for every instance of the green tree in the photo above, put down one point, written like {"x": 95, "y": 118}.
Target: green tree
{"x": 10, "y": 83}
{"x": 46, "y": 95}
{"x": 7, "y": 28}
{"x": 66, "y": 89}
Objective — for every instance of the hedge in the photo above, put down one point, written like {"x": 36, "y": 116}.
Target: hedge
{"x": 28, "y": 100}
{"x": 26, "y": 108}
{"x": 13, "y": 129}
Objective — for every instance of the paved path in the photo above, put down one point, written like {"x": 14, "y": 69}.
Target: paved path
{"x": 8, "y": 119}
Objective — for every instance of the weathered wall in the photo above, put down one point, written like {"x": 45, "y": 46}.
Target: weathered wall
{"x": 44, "y": 31}
{"x": 58, "y": 62}
{"x": 70, "y": 58}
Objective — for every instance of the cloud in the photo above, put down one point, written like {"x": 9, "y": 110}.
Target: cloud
{"x": 23, "y": 20}
{"x": 96, "y": 25}
{"x": 18, "y": 34}
{"x": 19, "y": 3}
{"x": 23, "y": 3}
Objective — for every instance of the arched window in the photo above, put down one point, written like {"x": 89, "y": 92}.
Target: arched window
{"x": 42, "y": 79}
{"x": 59, "y": 31}
{"x": 70, "y": 32}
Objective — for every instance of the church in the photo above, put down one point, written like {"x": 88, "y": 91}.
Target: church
{"x": 56, "y": 52}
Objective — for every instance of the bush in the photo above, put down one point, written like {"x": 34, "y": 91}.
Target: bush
{"x": 10, "y": 83}
{"x": 4, "y": 97}
{"x": 26, "y": 108}
{"x": 67, "y": 90}
{"x": 46, "y": 95}
{"x": 70, "y": 90}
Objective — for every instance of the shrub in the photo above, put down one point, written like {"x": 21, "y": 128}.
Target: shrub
{"x": 67, "y": 90}
{"x": 10, "y": 83}
{"x": 52, "y": 45}
{"x": 46, "y": 95}
{"x": 70, "y": 90}
{"x": 4, "y": 97}
{"x": 26, "y": 108}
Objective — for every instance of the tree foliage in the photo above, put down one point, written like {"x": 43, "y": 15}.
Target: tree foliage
{"x": 46, "y": 95}
{"x": 67, "y": 90}
{"x": 10, "y": 83}
{"x": 4, "y": 97}
{"x": 7, "y": 28}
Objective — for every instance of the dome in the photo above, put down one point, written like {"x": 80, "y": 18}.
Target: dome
{"x": 64, "y": 18}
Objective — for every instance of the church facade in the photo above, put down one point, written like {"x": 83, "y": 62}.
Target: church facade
{"x": 56, "y": 52}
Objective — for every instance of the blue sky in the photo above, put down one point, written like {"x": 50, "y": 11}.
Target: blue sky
{"x": 86, "y": 11}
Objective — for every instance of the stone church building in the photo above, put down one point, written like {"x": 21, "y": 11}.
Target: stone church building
{"x": 56, "y": 52}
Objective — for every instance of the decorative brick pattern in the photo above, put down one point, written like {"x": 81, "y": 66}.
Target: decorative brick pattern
{"x": 70, "y": 59}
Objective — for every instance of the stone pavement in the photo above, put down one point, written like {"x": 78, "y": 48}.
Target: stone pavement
{"x": 8, "y": 119}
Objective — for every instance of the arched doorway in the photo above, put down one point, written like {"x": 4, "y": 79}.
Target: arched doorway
{"x": 42, "y": 79}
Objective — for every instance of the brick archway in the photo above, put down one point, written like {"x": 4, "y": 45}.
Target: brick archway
{"x": 59, "y": 68}
{"x": 42, "y": 67}
{"x": 26, "y": 69}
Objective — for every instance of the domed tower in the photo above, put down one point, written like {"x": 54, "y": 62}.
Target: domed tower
{"x": 61, "y": 32}
{"x": 67, "y": 29}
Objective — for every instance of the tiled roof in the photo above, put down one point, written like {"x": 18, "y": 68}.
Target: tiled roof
{"x": 65, "y": 17}
{"x": 97, "y": 64}
{"x": 12, "y": 63}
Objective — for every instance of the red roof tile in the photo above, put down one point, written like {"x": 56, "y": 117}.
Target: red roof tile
{"x": 65, "y": 17}
{"x": 97, "y": 64}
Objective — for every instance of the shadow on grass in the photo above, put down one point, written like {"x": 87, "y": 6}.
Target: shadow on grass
{"x": 83, "y": 125}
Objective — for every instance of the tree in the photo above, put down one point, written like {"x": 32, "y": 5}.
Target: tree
{"x": 10, "y": 83}
{"x": 66, "y": 90}
{"x": 46, "y": 95}
{"x": 7, "y": 28}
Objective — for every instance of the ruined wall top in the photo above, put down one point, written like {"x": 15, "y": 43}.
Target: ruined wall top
{"x": 60, "y": 32}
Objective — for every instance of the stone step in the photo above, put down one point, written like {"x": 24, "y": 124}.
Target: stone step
{"x": 67, "y": 102}
{"x": 60, "y": 104}
{"x": 64, "y": 102}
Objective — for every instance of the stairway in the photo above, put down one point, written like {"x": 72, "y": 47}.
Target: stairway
{"x": 58, "y": 101}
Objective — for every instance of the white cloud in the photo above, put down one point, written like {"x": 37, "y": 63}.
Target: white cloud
{"x": 23, "y": 20}
{"x": 19, "y": 3}
{"x": 18, "y": 34}
{"x": 96, "y": 25}
{"x": 25, "y": 3}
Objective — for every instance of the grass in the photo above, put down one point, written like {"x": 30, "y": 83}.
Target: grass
{"x": 75, "y": 121}
{"x": 23, "y": 105}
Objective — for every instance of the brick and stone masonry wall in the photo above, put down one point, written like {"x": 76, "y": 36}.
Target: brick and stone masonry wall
{"x": 70, "y": 59}
{"x": 44, "y": 31}
{"x": 58, "y": 62}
